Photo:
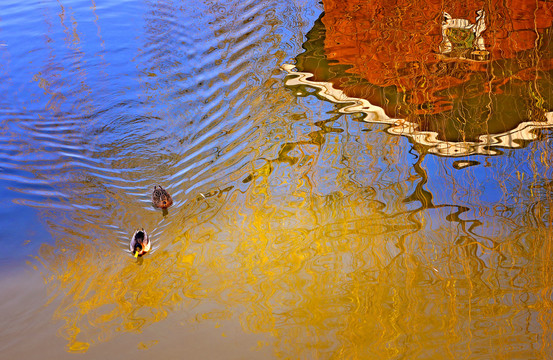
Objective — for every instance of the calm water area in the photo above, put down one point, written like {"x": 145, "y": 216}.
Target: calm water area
{"x": 351, "y": 180}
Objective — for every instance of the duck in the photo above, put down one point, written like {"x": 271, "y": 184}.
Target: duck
{"x": 140, "y": 243}
{"x": 161, "y": 198}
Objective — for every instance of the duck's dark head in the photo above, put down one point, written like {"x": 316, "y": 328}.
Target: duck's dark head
{"x": 137, "y": 250}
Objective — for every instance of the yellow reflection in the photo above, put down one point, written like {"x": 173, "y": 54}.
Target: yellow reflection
{"x": 105, "y": 292}
{"x": 326, "y": 276}
{"x": 323, "y": 250}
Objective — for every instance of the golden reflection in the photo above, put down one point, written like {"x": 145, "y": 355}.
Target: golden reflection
{"x": 105, "y": 292}
{"x": 329, "y": 239}
{"x": 325, "y": 275}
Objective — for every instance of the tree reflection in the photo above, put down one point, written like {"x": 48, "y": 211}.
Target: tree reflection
{"x": 325, "y": 232}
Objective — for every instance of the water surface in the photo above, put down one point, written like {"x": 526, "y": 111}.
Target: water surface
{"x": 303, "y": 226}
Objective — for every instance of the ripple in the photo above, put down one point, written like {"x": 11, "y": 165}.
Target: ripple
{"x": 292, "y": 219}
{"x": 100, "y": 151}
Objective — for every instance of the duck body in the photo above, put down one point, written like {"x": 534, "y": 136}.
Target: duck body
{"x": 140, "y": 243}
{"x": 161, "y": 198}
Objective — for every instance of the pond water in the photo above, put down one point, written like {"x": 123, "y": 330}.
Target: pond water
{"x": 335, "y": 195}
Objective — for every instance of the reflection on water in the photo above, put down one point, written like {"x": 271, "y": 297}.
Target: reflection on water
{"x": 452, "y": 104}
{"x": 321, "y": 233}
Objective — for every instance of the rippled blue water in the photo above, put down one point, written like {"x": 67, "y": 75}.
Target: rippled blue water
{"x": 98, "y": 101}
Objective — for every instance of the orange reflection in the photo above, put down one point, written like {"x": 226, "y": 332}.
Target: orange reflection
{"x": 398, "y": 44}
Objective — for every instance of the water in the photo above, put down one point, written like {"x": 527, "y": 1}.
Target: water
{"x": 317, "y": 214}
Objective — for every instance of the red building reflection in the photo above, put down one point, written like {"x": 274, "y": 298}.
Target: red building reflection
{"x": 398, "y": 43}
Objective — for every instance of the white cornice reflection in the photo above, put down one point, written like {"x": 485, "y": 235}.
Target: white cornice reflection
{"x": 487, "y": 144}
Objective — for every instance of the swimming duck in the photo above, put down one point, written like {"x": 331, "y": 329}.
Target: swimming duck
{"x": 140, "y": 243}
{"x": 161, "y": 198}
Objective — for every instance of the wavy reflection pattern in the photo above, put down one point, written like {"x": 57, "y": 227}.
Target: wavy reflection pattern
{"x": 337, "y": 239}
